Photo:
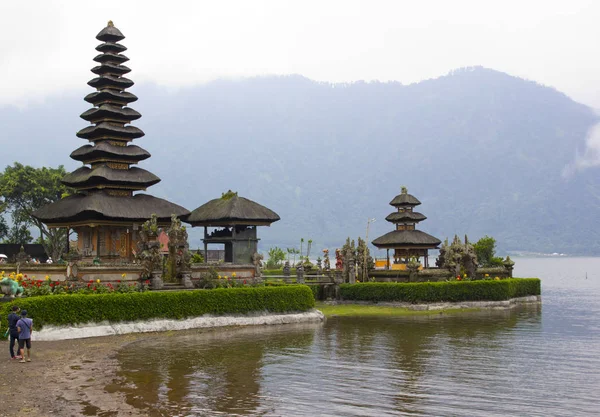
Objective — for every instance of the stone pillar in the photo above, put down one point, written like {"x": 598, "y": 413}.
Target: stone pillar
{"x": 300, "y": 273}
{"x": 351, "y": 272}
{"x": 156, "y": 281}
{"x": 286, "y": 272}
{"x": 186, "y": 279}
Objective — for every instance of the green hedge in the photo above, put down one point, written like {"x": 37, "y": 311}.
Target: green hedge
{"x": 428, "y": 292}
{"x": 115, "y": 307}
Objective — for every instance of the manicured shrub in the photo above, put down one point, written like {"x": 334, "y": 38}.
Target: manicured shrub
{"x": 116, "y": 307}
{"x": 428, "y": 292}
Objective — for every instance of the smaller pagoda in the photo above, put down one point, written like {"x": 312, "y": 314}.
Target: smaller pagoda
{"x": 406, "y": 241}
{"x": 234, "y": 221}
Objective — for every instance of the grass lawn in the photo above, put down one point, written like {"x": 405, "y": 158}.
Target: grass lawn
{"x": 355, "y": 310}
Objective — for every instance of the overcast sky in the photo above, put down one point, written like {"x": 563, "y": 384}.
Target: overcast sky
{"x": 47, "y": 46}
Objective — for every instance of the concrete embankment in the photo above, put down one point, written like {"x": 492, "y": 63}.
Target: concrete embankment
{"x": 49, "y": 333}
{"x": 467, "y": 305}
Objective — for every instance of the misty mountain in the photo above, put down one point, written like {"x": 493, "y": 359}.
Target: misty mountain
{"x": 485, "y": 153}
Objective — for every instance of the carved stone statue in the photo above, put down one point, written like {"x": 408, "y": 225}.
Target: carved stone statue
{"x": 300, "y": 273}
{"x": 179, "y": 262}
{"x": 21, "y": 258}
{"x": 339, "y": 263}
{"x": 148, "y": 253}
{"x": 326, "y": 264}
{"x": 458, "y": 255}
{"x": 286, "y": 272}
{"x": 257, "y": 262}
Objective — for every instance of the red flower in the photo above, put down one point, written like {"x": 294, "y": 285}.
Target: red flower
{"x": 119, "y": 281}
{"x": 89, "y": 285}
{"x": 25, "y": 275}
{"x": 244, "y": 281}
{"x": 94, "y": 288}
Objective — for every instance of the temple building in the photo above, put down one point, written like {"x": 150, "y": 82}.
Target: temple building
{"x": 234, "y": 220}
{"x": 104, "y": 212}
{"x": 406, "y": 241}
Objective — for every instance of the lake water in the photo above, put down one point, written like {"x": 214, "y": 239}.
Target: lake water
{"x": 531, "y": 361}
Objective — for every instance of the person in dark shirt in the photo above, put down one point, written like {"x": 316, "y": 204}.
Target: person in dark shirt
{"x": 13, "y": 318}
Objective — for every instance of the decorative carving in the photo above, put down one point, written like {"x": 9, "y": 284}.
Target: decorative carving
{"x": 257, "y": 262}
{"x": 339, "y": 263}
{"x": 10, "y": 288}
{"x": 148, "y": 253}
{"x": 179, "y": 254}
{"x": 286, "y": 272}
{"x": 300, "y": 273}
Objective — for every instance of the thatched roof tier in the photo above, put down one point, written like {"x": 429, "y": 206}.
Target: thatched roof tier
{"x": 100, "y": 206}
{"x": 111, "y": 47}
{"x": 109, "y": 81}
{"x": 109, "y": 112}
{"x": 106, "y": 130}
{"x": 405, "y": 199}
{"x": 110, "y": 57}
{"x": 106, "y": 151}
{"x": 108, "y": 68}
{"x": 110, "y": 34}
{"x": 405, "y": 216}
{"x": 104, "y": 177}
{"x": 231, "y": 210}
{"x": 411, "y": 238}
{"x": 120, "y": 98}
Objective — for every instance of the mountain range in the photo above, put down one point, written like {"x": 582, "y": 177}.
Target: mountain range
{"x": 485, "y": 152}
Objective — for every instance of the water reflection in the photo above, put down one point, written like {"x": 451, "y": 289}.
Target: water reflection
{"x": 210, "y": 371}
{"x": 347, "y": 366}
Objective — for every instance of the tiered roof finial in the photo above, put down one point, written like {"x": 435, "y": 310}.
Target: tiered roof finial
{"x": 110, "y": 156}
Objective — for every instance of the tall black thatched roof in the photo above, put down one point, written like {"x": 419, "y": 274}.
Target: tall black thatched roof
{"x": 405, "y": 216}
{"x": 106, "y": 182}
{"x": 108, "y": 151}
{"x": 101, "y": 206}
{"x": 231, "y": 210}
{"x": 400, "y": 238}
{"x": 405, "y": 199}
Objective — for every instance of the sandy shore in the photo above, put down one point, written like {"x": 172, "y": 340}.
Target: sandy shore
{"x": 65, "y": 378}
{"x": 77, "y": 377}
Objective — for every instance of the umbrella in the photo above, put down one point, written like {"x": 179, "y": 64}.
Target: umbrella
{"x": 3, "y": 256}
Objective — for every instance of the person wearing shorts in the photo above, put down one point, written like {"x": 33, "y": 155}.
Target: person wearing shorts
{"x": 24, "y": 327}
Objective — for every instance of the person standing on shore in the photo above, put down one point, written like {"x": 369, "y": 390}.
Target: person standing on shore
{"x": 13, "y": 318}
{"x": 24, "y": 327}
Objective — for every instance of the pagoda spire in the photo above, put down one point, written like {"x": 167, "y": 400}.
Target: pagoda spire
{"x": 110, "y": 153}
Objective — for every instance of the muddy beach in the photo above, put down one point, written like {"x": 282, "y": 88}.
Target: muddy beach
{"x": 66, "y": 378}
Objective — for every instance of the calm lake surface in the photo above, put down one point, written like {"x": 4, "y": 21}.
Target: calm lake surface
{"x": 534, "y": 361}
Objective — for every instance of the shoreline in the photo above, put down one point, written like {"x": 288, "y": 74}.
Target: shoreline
{"x": 458, "y": 305}
{"x": 54, "y": 333}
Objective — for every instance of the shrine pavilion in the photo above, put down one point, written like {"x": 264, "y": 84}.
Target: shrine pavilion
{"x": 406, "y": 241}
{"x": 104, "y": 212}
{"x": 235, "y": 220}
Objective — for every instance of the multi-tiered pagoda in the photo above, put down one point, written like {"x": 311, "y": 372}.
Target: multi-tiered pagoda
{"x": 104, "y": 212}
{"x": 406, "y": 241}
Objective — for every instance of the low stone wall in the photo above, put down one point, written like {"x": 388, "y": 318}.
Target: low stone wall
{"x": 37, "y": 271}
{"x": 432, "y": 274}
{"x": 241, "y": 271}
{"x": 109, "y": 329}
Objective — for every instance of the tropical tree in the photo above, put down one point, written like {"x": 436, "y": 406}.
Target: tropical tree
{"x": 485, "y": 248}
{"x": 23, "y": 190}
{"x": 276, "y": 257}
{"x": 292, "y": 251}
